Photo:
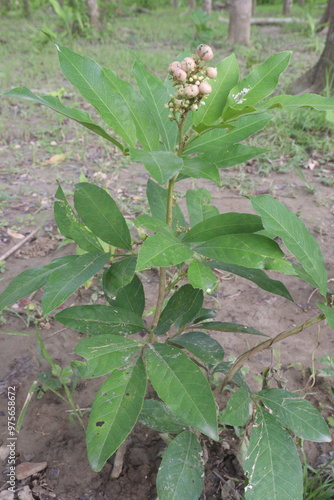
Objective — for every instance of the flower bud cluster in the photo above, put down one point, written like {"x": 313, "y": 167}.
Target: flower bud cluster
{"x": 190, "y": 78}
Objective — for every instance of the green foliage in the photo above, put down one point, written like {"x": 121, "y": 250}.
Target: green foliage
{"x": 174, "y": 137}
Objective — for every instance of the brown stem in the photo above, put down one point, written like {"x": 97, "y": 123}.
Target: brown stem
{"x": 239, "y": 362}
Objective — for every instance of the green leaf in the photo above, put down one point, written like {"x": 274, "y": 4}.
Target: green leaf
{"x": 99, "y": 319}
{"x": 279, "y": 220}
{"x": 238, "y": 378}
{"x": 157, "y": 199}
{"x": 88, "y": 77}
{"x": 202, "y": 346}
{"x": 221, "y": 326}
{"x": 114, "y": 413}
{"x": 131, "y": 297}
{"x": 71, "y": 227}
{"x": 296, "y": 414}
{"x": 204, "y": 314}
{"x": 198, "y": 168}
{"x": 105, "y": 353}
{"x": 53, "y": 103}
{"x": 180, "y": 383}
{"x": 198, "y": 205}
{"x": 119, "y": 274}
{"x": 66, "y": 280}
{"x": 162, "y": 250}
{"x": 292, "y": 102}
{"x": 200, "y": 276}
{"x": 181, "y": 308}
{"x": 223, "y": 224}
{"x": 256, "y": 276}
{"x": 248, "y": 250}
{"x": 328, "y": 312}
{"x": 100, "y": 213}
{"x": 161, "y": 165}
{"x": 147, "y": 132}
{"x": 260, "y": 83}
{"x": 156, "y": 96}
{"x": 220, "y": 138}
{"x": 272, "y": 464}
{"x": 156, "y": 415}
{"x": 30, "y": 280}
{"x": 238, "y": 409}
{"x": 233, "y": 155}
{"x": 181, "y": 473}
{"x": 227, "y": 77}
{"x": 153, "y": 224}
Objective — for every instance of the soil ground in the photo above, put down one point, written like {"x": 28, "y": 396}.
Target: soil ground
{"x": 47, "y": 433}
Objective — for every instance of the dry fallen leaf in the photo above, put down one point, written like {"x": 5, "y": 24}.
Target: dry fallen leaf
{"x": 26, "y": 469}
{"x": 311, "y": 164}
{"x": 15, "y": 234}
{"x": 56, "y": 159}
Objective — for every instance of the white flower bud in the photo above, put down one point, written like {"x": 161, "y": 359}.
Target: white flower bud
{"x": 191, "y": 91}
{"x": 173, "y": 66}
{"x": 188, "y": 64}
{"x": 205, "y": 52}
{"x": 205, "y": 88}
{"x": 180, "y": 74}
{"x": 194, "y": 107}
{"x": 211, "y": 72}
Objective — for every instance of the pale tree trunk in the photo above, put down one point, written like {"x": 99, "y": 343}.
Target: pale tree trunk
{"x": 240, "y": 22}
{"x": 287, "y": 4}
{"x": 175, "y": 4}
{"x": 253, "y": 7}
{"x": 316, "y": 78}
{"x": 94, "y": 15}
{"x": 207, "y": 7}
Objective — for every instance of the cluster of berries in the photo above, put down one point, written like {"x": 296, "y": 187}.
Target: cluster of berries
{"x": 190, "y": 77}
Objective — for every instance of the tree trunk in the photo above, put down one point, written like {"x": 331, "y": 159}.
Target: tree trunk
{"x": 94, "y": 15}
{"x": 192, "y": 4}
{"x": 287, "y": 4}
{"x": 240, "y": 22}
{"x": 26, "y": 8}
{"x": 175, "y": 4}
{"x": 322, "y": 74}
{"x": 207, "y": 7}
{"x": 301, "y": 3}
{"x": 253, "y": 7}
{"x": 324, "y": 18}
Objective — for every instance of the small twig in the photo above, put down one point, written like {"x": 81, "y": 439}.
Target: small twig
{"x": 119, "y": 460}
{"x": 239, "y": 362}
{"x": 19, "y": 244}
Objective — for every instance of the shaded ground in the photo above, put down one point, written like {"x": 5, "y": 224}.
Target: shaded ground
{"x": 29, "y": 174}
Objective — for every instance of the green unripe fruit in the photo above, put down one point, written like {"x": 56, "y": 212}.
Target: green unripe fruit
{"x": 205, "y": 52}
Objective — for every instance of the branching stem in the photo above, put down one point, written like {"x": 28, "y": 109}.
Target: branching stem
{"x": 239, "y": 362}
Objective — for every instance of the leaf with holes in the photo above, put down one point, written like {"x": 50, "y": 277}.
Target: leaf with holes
{"x": 114, "y": 413}
{"x": 181, "y": 473}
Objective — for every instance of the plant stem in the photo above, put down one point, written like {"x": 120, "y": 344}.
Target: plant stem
{"x": 239, "y": 362}
{"x": 169, "y": 221}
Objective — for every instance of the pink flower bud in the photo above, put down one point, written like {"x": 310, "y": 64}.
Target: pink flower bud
{"x": 180, "y": 74}
{"x": 173, "y": 66}
{"x": 205, "y": 88}
{"x": 205, "y": 52}
{"x": 191, "y": 91}
{"x": 211, "y": 72}
{"x": 188, "y": 64}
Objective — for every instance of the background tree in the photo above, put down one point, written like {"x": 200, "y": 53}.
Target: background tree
{"x": 316, "y": 78}
{"x": 192, "y": 4}
{"x": 240, "y": 13}
{"x": 94, "y": 15}
{"x": 287, "y": 4}
{"x": 207, "y": 7}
